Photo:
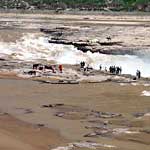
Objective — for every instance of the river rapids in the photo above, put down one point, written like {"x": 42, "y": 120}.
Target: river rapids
{"x": 31, "y": 47}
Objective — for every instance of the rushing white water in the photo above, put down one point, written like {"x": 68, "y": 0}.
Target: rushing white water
{"x": 145, "y": 93}
{"x": 32, "y": 47}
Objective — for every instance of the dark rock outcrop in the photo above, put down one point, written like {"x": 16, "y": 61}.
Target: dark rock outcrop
{"x": 65, "y": 35}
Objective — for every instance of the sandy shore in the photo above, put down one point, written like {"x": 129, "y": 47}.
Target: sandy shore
{"x": 16, "y": 134}
{"x": 24, "y": 99}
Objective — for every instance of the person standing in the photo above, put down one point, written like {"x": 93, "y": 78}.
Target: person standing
{"x": 60, "y": 68}
{"x": 120, "y": 69}
{"x": 100, "y": 67}
{"x": 138, "y": 74}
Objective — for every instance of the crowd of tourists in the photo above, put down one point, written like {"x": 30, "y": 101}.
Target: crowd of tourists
{"x": 53, "y": 68}
{"x": 41, "y": 67}
{"x": 112, "y": 69}
{"x": 117, "y": 70}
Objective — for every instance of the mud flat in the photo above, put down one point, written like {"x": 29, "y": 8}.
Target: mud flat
{"x": 109, "y": 114}
{"x": 16, "y": 134}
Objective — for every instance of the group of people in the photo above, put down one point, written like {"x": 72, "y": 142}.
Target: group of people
{"x": 84, "y": 66}
{"x": 115, "y": 70}
{"x": 48, "y": 67}
{"x": 112, "y": 69}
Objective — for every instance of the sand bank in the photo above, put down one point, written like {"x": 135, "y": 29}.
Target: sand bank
{"x": 23, "y": 99}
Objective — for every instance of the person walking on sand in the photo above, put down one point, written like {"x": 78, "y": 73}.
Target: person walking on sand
{"x": 60, "y": 68}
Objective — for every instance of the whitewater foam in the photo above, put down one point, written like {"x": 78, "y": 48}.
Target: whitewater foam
{"x": 145, "y": 93}
{"x": 33, "y": 47}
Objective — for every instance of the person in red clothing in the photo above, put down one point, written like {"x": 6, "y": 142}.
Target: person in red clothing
{"x": 60, "y": 68}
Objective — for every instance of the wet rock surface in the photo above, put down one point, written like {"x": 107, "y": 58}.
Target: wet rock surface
{"x": 118, "y": 35}
{"x": 68, "y": 111}
{"x": 104, "y": 44}
{"x": 61, "y": 36}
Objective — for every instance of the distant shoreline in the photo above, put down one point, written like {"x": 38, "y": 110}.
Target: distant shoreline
{"x": 75, "y": 12}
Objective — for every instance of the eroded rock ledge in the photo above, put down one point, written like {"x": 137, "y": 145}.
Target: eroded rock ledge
{"x": 66, "y": 36}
